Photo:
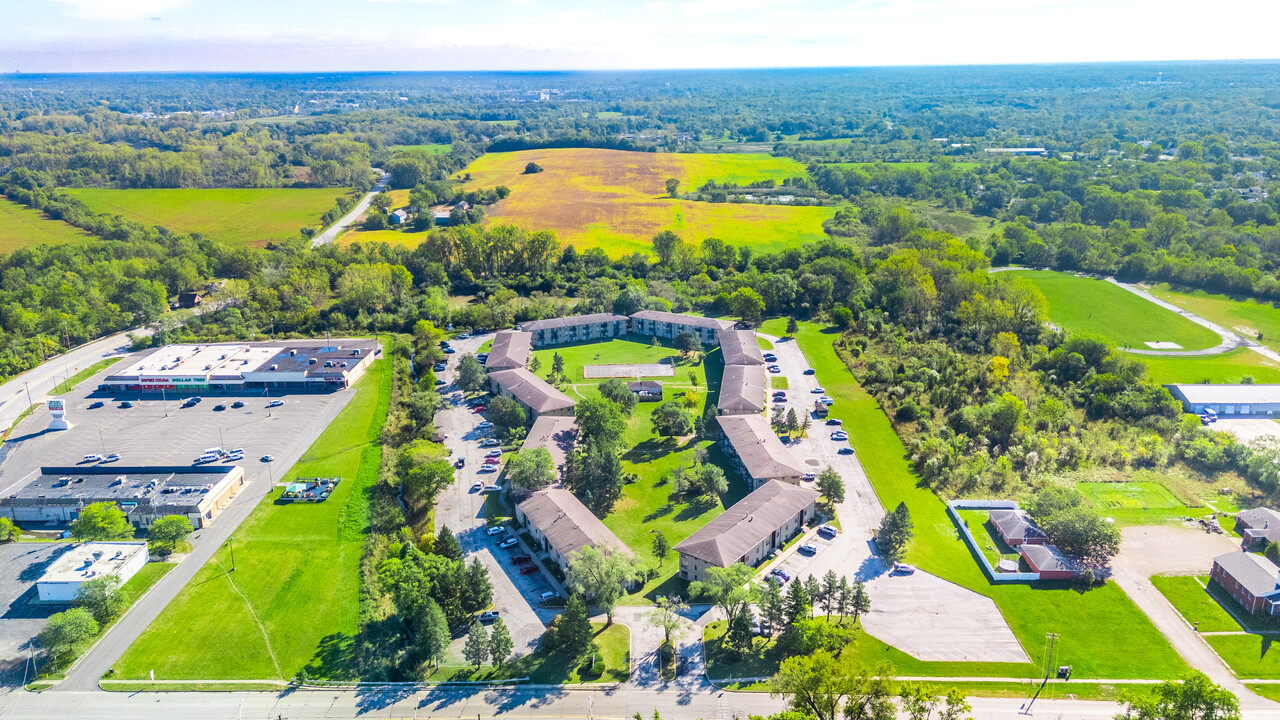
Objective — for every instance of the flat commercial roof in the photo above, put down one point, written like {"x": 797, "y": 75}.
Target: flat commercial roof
{"x": 758, "y": 447}
{"x": 161, "y": 486}
{"x": 728, "y": 537}
{"x": 230, "y": 361}
{"x": 92, "y": 560}
{"x": 1227, "y": 394}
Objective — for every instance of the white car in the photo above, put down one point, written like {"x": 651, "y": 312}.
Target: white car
{"x": 548, "y": 595}
{"x": 91, "y": 458}
{"x": 111, "y": 457}
{"x": 840, "y": 435}
{"x": 477, "y": 488}
{"x": 275, "y": 403}
{"x": 490, "y": 442}
{"x": 509, "y": 542}
{"x": 826, "y": 400}
{"x": 496, "y": 529}
{"x": 903, "y": 569}
{"x": 811, "y": 476}
{"x": 486, "y": 425}
{"x": 488, "y": 616}
{"x": 493, "y": 453}
{"x": 818, "y": 390}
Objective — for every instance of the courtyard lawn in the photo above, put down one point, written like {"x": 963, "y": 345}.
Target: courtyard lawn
{"x": 989, "y": 541}
{"x": 1189, "y": 597}
{"x": 21, "y": 226}
{"x": 1228, "y": 367}
{"x": 1246, "y": 316}
{"x": 616, "y": 200}
{"x": 1032, "y": 610}
{"x": 238, "y": 216}
{"x": 1097, "y": 307}
{"x": 292, "y": 600}
{"x": 631, "y": 349}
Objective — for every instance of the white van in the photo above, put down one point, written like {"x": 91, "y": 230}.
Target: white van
{"x": 212, "y": 451}
{"x": 91, "y": 458}
{"x": 206, "y": 458}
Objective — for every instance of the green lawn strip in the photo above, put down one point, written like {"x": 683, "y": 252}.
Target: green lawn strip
{"x": 1032, "y": 610}
{"x": 1026, "y": 689}
{"x": 989, "y": 541}
{"x": 1188, "y": 596}
{"x": 1091, "y": 305}
{"x": 292, "y": 598}
{"x": 21, "y": 416}
{"x": 867, "y": 652}
{"x": 613, "y": 645}
{"x": 1270, "y": 691}
{"x": 1249, "y": 656}
{"x": 778, "y": 382}
{"x": 764, "y": 344}
{"x": 1229, "y": 368}
{"x": 1243, "y": 315}
{"x": 68, "y": 385}
{"x": 617, "y": 351}
{"x": 1244, "y": 621}
{"x": 142, "y": 686}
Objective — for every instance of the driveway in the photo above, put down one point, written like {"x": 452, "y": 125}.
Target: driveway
{"x": 1247, "y": 430}
{"x": 921, "y": 614}
{"x": 462, "y": 509}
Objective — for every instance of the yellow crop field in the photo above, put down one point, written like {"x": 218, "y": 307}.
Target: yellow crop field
{"x": 617, "y": 199}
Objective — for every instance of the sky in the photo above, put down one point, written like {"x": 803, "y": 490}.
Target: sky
{"x": 425, "y": 35}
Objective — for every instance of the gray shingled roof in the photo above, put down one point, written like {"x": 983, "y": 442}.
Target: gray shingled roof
{"x": 1046, "y": 558}
{"x": 1014, "y": 524}
{"x": 743, "y": 388}
{"x": 690, "y": 320}
{"x": 739, "y": 347}
{"x": 510, "y": 349}
{"x": 724, "y": 540}
{"x": 566, "y": 523}
{"x": 531, "y": 390}
{"x": 570, "y": 321}
{"x": 1259, "y": 517}
{"x": 555, "y": 433}
{"x": 1257, "y": 574}
{"x": 759, "y": 447}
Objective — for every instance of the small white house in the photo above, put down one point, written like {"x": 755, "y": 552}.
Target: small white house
{"x": 399, "y": 217}
{"x": 62, "y": 580}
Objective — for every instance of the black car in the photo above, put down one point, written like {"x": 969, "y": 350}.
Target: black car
{"x": 126, "y": 404}
{"x": 96, "y": 405}
{"x": 237, "y": 404}
{"x": 219, "y": 408}
{"x": 439, "y": 367}
{"x": 809, "y": 371}
{"x": 846, "y": 451}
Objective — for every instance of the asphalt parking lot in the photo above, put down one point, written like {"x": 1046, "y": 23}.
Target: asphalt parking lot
{"x": 21, "y": 619}
{"x": 158, "y": 431}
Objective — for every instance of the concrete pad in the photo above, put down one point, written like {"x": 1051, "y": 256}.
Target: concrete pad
{"x": 1163, "y": 345}
{"x": 1247, "y": 430}
{"x": 932, "y": 619}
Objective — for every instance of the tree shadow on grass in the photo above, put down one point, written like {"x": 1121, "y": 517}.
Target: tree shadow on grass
{"x": 335, "y": 658}
{"x": 696, "y": 509}
{"x": 650, "y": 450}
{"x": 660, "y": 511}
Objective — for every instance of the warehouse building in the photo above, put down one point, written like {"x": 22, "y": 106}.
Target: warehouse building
{"x": 62, "y": 580}
{"x": 1260, "y": 401}
{"x": 145, "y": 494}
{"x": 297, "y": 365}
{"x": 757, "y": 453}
{"x": 749, "y": 531}
{"x": 669, "y": 325}
{"x": 510, "y": 349}
{"x": 535, "y": 395}
{"x": 561, "y": 525}
{"x": 575, "y": 328}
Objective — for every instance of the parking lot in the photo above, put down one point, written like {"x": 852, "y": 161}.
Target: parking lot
{"x": 158, "y": 431}
{"x": 20, "y": 619}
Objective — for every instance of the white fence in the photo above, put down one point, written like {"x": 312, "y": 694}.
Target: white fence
{"x": 954, "y": 505}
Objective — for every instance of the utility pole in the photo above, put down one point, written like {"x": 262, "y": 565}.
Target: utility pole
{"x": 231, "y": 546}
{"x": 1050, "y": 653}
{"x": 28, "y": 387}
{"x": 104, "y": 441}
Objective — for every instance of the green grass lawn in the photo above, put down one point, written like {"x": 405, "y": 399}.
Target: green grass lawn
{"x": 1246, "y": 316}
{"x": 292, "y": 599}
{"x": 1189, "y": 597}
{"x": 69, "y": 384}
{"x": 428, "y": 149}
{"x": 1270, "y": 691}
{"x": 989, "y": 541}
{"x": 778, "y": 382}
{"x": 237, "y": 216}
{"x": 631, "y": 349}
{"x": 1249, "y": 656}
{"x": 1226, "y": 368}
{"x": 613, "y": 663}
{"x": 1137, "y": 502}
{"x": 1097, "y": 307}
{"x": 1030, "y": 609}
{"x": 21, "y": 226}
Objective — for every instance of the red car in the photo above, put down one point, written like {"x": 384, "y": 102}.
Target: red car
{"x": 528, "y": 569}
{"x": 479, "y": 408}
{"x": 492, "y": 461}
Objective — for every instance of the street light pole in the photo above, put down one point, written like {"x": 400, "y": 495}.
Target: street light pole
{"x": 232, "y": 546}
{"x": 28, "y": 387}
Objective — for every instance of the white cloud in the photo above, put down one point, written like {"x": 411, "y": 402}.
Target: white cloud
{"x": 118, "y": 10}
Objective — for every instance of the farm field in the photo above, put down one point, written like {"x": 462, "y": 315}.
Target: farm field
{"x": 1228, "y": 367}
{"x": 264, "y": 621}
{"x": 1030, "y": 609}
{"x": 237, "y": 216}
{"x": 21, "y": 226}
{"x": 1247, "y": 317}
{"x": 617, "y": 200}
{"x": 1097, "y": 307}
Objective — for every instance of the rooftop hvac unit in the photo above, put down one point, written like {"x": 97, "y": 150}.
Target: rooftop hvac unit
{"x": 274, "y": 366}
{"x": 292, "y": 353}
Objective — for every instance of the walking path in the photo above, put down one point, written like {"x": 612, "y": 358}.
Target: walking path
{"x": 1230, "y": 340}
{"x": 336, "y": 229}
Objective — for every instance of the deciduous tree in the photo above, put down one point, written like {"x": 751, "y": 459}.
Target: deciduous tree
{"x": 101, "y": 521}
{"x": 601, "y": 574}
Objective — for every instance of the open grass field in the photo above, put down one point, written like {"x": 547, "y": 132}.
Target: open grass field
{"x": 21, "y": 226}
{"x": 1139, "y": 502}
{"x": 1030, "y": 609}
{"x": 613, "y": 648}
{"x": 1249, "y": 656}
{"x": 1225, "y": 368}
{"x": 237, "y": 216}
{"x": 292, "y": 599}
{"x": 617, "y": 200}
{"x": 428, "y": 149}
{"x": 1187, "y": 594}
{"x": 1245, "y": 316}
{"x": 1097, "y": 307}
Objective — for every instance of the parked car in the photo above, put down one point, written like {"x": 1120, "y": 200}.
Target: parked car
{"x": 839, "y": 435}
{"x": 528, "y": 569}
{"x": 828, "y": 531}
{"x": 96, "y": 405}
{"x": 111, "y": 457}
{"x": 237, "y": 404}
{"x": 463, "y": 336}
{"x": 808, "y": 549}
{"x": 486, "y": 425}
{"x": 818, "y": 390}
{"x": 903, "y": 569}
{"x": 494, "y": 453}
{"x": 439, "y": 382}
{"x": 809, "y": 371}
{"x": 781, "y": 574}
{"x": 488, "y": 616}
{"x": 492, "y": 461}
{"x": 460, "y": 462}
{"x": 770, "y": 357}
{"x": 811, "y": 476}
{"x": 520, "y": 559}
{"x": 489, "y": 442}
{"x": 91, "y": 458}
{"x": 487, "y": 469}
{"x": 775, "y": 369}
{"x": 439, "y": 367}
{"x": 496, "y": 529}
{"x": 449, "y": 351}
{"x": 479, "y": 408}
{"x": 834, "y": 421}
{"x": 492, "y": 488}
{"x": 509, "y": 542}
{"x": 477, "y": 487}
{"x": 219, "y": 408}
{"x": 267, "y": 458}
{"x": 126, "y": 405}
{"x": 548, "y": 596}
{"x": 275, "y": 403}
{"x": 845, "y": 451}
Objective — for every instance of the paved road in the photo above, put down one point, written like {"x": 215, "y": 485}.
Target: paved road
{"x": 336, "y": 229}
{"x": 41, "y": 380}
{"x": 1230, "y": 340}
